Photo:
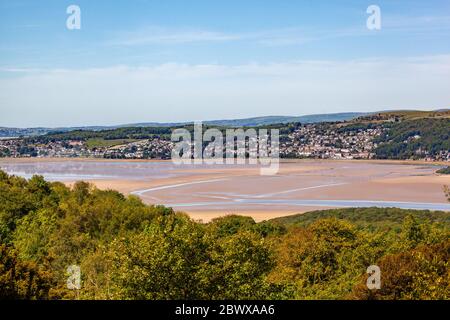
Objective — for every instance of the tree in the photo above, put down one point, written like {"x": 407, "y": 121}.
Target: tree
{"x": 237, "y": 267}
{"x": 421, "y": 273}
{"x": 20, "y": 279}
{"x": 315, "y": 258}
{"x": 412, "y": 232}
{"x": 230, "y": 225}
{"x": 162, "y": 262}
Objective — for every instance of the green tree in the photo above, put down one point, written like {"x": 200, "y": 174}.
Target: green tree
{"x": 162, "y": 262}
{"x": 237, "y": 267}
{"x": 412, "y": 232}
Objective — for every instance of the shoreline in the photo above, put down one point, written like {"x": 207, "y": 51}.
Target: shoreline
{"x": 282, "y": 160}
{"x": 206, "y": 192}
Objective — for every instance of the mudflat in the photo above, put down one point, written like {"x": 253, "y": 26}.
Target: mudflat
{"x": 206, "y": 192}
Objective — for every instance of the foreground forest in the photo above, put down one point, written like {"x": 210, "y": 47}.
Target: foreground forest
{"x": 129, "y": 250}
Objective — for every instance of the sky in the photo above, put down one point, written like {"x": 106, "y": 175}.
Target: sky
{"x": 169, "y": 61}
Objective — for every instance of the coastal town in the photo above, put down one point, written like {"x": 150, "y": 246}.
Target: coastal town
{"x": 316, "y": 141}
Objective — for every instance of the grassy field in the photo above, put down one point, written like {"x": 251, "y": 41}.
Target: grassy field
{"x": 444, "y": 170}
{"x": 402, "y": 115}
{"x": 102, "y": 143}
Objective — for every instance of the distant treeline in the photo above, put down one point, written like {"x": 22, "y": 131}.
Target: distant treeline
{"x": 113, "y": 134}
{"x": 128, "y": 250}
{"x": 141, "y": 133}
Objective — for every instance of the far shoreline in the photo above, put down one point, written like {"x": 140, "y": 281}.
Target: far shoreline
{"x": 282, "y": 160}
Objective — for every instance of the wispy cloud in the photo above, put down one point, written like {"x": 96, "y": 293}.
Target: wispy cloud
{"x": 177, "y": 92}
{"x": 276, "y": 37}
{"x": 21, "y": 70}
{"x": 155, "y": 35}
{"x": 426, "y": 22}
{"x": 158, "y": 35}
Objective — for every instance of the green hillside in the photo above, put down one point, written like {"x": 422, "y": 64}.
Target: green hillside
{"x": 414, "y": 138}
{"x": 395, "y": 116}
{"x": 367, "y": 217}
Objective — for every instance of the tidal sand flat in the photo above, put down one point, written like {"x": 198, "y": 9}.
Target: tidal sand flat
{"x": 206, "y": 192}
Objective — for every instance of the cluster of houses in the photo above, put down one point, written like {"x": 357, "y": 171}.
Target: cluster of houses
{"x": 312, "y": 141}
{"x": 440, "y": 156}
{"x": 18, "y": 148}
{"x": 144, "y": 149}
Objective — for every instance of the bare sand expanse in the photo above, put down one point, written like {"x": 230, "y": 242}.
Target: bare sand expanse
{"x": 81, "y": 159}
{"x": 206, "y": 192}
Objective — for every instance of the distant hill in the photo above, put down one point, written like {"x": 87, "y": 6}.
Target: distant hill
{"x": 357, "y": 117}
{"x": 29, "y": 132}
{"x": 248, "y": 122}
{"x": 401, "y": 115}
{"x": 315, "y": 118}
{"x": 257, "y": 121}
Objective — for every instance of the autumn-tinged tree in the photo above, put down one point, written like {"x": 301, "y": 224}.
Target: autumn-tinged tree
{"x": 312, "y": 254}
{"x": 312, "y": 258}
{"x": 20, "y": 279}
{"x": 421, "y": 273}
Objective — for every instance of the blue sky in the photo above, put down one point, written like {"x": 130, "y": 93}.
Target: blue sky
{"x": 137, "y": 60}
